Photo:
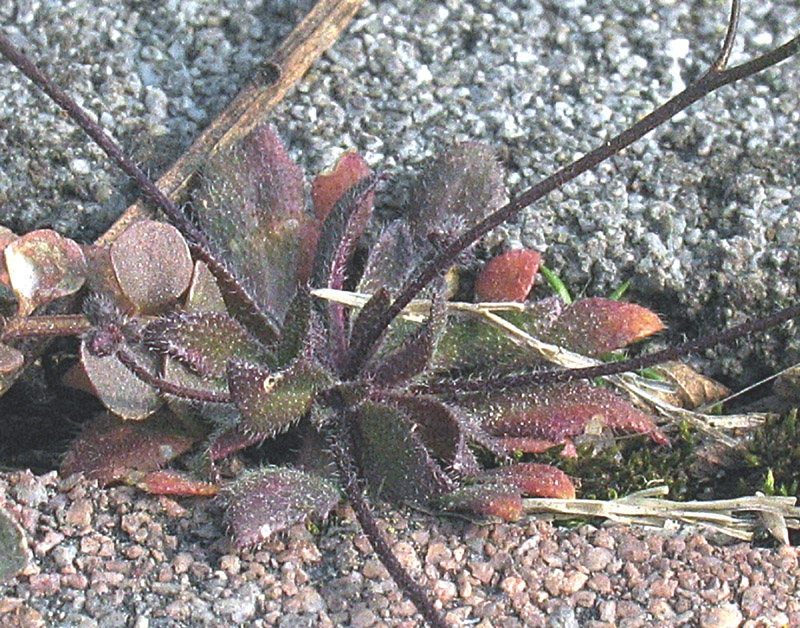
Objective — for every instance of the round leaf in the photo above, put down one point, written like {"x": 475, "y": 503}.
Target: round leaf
{"x": 152, "y": 263}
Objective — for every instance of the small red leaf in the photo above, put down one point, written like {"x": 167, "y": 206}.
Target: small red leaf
{"x": 540, "y": 480}
{"x": 43, "y": 266}
{"x": 493, "y": 500}
{"x": 595, "y": 326}
{"x": 170, "y": 482}
{"x": 152, "y": 264}
{"x": 508, "y": 277}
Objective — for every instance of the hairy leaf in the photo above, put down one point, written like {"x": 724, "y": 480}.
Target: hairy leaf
{"x": 470, "y": 344}
{"x": 456, "y": 190}
{"x": 390, "y": 259}
{"x": 204, "y": 294}
{"x": 203, "y": 341}
{"x": 555, "y": 414}
{"x": 271, "y": 499}
{"x": 508, "y": 277}
{"x": 43, "y": 266}
{"x": 271, "y": 401}
{"x": 595, "y": 326}
{"x": 252, "y": 207}
{"x": 414, "y": 355}
{"x": 152, "y": 264}
{"x": 440, "y": 429}
{"x": 108, "y": 448}
{"x": 393, "y": 457}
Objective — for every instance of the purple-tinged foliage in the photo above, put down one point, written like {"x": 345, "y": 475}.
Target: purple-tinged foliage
{"x": 392, "y": 402}
{"x": 271, "y": 499}
{"x": 108, "y": 448}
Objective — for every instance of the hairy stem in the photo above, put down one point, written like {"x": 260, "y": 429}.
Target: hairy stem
{"x": 130, "y": 362}
{"x": 717, "y": 76}
{"x": 343, "y": 449}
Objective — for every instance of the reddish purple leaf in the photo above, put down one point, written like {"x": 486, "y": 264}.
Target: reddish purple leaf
{"x": 559, "y": 412}
{"x": 43, "y": 266}
{"x": 152, "y": 264}
{"x": 508, "y": 277}
{"x": 330, "y": 186}
{"x": 540, "y": 480}
{"x": 440, "y": 429}
{"x": 595, "y": 326}
{"x": 272, "y": 499}
{"x": 109, "y": 448}
{"x": 493, "y": 500}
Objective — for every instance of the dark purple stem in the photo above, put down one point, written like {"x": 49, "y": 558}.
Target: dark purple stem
{"x": 197, "y": 239}
{"x": 130, "y": 362}
{"x": 343, "y": 449}
{"x": 717, "y": 76}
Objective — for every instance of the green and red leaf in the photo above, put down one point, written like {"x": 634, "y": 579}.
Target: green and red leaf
{"x": 108, "y": 448}
{"x": 554, "y": 414}
{"x": 393, "y": 457}
{"x": 252, "y": 208}
{"x": 203, "y": 341}
{"x": 271, "y": 401}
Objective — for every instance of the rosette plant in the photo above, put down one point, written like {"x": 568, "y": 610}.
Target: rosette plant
{"x": 259, "y": 316}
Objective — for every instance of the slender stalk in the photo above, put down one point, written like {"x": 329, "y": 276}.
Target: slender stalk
{"x": 717, "y": 76}
{"x": 130, "y": 362}
{"x": 343, "y": 449}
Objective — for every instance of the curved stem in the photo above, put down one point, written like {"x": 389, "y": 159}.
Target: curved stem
{"x": 712, "y": 80}
{"x": 130, "y": 362}
{"x": 343, "y": 449}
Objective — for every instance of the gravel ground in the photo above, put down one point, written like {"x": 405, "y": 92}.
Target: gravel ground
{"x": 701, "y": 216}
{"x": 117, "y": 559}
